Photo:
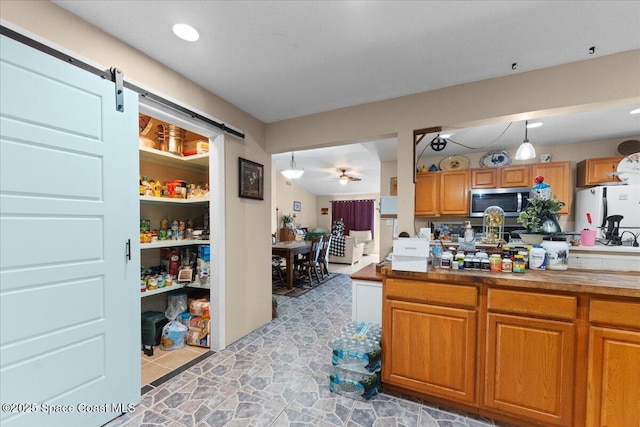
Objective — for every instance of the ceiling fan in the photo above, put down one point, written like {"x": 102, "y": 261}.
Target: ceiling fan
{"x": 344, "y": 178}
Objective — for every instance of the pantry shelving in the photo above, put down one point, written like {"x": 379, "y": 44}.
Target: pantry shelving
{"x": 196, "y": 162}
{"x": 176, "y": 201}
{"x": 173, "y": 243}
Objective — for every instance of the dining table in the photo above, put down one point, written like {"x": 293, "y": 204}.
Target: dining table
{"x": 289, "y": 251}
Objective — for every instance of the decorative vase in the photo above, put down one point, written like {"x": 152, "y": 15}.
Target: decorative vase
{"x": 550, "y": 225}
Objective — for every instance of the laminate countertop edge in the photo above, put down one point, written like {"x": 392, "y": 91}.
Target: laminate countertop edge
{"x": 612, "y": 283}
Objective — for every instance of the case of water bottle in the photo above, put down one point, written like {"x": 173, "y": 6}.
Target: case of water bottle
{"x": 356, "y": 361}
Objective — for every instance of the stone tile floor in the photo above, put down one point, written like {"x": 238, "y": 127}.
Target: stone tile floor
{"x": 278, "y": 376}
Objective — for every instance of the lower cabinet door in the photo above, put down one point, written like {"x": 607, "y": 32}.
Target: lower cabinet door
{"x": 613, "y": 392}
{"x": 529, "y": 368}
{"x": 432, "y": 350}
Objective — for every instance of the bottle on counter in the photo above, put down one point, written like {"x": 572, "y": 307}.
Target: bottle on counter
{"x": 495, "y": 263}
{"x": 507, "y": 264}
{"x": 447, "y": 260}
{"x": 436, "y": 256}
{"x": 518, "y": 264}
{"x": 460, "y": 260}
{"x": 538, "y": 258}
{"x": 525, "y": 257}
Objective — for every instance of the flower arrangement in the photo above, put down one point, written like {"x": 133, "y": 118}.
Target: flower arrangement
{"x": 287, "y": 221}
{"x": 541, "y": 209}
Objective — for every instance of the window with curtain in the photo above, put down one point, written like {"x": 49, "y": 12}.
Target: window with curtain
{"x": 357, "y": 215}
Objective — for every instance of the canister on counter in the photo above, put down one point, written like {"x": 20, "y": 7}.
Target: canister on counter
{"x": 460, "y": 260}
{"x": 495, "y": 263}
{"x": 518, "y": 264}
{"x": 507, "y": 264}
{"x": 525, "y": 257}
{"x": 485, "y": 264}
{"x": 476, "y": 263}
{"x": 447, "y": 259}
{"x": 557, "y": 253}
{"x": 468, "y": 262}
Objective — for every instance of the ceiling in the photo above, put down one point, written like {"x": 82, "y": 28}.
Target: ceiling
{"x": 278, "y": 59}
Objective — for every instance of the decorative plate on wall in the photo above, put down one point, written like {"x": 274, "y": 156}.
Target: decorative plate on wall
{"x": 453, "y": 162}
{"x": 495, "y": 158}
{"x": 629, "y": 169}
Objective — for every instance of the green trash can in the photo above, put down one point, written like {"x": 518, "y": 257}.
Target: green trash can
{"x": 152, "y": 324}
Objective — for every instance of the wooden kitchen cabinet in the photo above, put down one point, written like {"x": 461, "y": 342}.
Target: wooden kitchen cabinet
{"x": 558, "y": 176}
{"x": 530, "y": 357}
{"x": 514, "y": 176}
{"x": 427, "y": 191}
{"x": 597, "y": 171}
{"x": 454, "y": 192}
{"x": 430, "y": 332}
{"x": 614, "y": 364}
{"x": 484, "y": 178}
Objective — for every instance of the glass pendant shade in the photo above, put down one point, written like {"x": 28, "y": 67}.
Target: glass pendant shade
{"x": 344, "y": 180}
{"x": 292, "y": 172}
{"x": 525, "y": 150}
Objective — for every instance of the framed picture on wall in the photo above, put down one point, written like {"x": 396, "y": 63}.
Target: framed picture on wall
{"x": 251, "y": 177}
{"x": 297, "y": 206}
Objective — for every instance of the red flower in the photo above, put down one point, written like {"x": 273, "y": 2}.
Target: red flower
{"x": 538, "y": 179}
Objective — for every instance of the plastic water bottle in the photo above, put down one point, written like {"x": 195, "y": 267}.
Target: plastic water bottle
{"x": 355, "y": 385}
{"x": 436, "y": 253}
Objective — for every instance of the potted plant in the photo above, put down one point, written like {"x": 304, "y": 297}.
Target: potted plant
{"x": 541, "y": 214}
{"x": 287, "y": 221}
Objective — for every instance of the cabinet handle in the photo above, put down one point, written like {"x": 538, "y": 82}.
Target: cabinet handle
{"x": 128, "y": 249}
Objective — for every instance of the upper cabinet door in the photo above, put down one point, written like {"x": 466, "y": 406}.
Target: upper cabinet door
{"x": 484, "y": 178}
{"x": 515, "y": 176}
{"x": 427, "y": 190}
{"x": 558, "y": 176}
{"x": 597, "y": 171}
{"x": 454, "y": 192}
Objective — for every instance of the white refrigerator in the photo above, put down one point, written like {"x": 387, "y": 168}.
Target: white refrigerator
{"x": 594, "y": 205}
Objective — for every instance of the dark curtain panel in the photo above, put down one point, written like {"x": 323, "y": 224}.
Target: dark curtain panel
{"x": 357, "y": 215}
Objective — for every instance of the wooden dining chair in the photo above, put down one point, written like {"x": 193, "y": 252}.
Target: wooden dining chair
{"x": 276, "y": 268}
{"x": 310, "y": 265}
{"x": 323, "y": 259}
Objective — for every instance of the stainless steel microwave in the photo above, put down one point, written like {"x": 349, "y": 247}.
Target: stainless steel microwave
{"x": 511, "y": 200}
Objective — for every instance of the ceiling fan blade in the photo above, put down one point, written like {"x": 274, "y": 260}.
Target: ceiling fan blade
{"x": 353, "y": 178}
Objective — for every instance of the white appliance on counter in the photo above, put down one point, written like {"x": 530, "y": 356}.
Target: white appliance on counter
{"x": 594, "y": 205}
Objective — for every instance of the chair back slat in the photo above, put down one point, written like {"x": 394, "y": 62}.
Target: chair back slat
{"x": 316, "y": 245}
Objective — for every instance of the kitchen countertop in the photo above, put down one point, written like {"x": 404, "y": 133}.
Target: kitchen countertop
{"x": 368, "y": 272}
{"x": 612, "y": 283}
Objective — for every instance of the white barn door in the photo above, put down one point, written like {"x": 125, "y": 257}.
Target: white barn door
{"x": 69, "y": 296}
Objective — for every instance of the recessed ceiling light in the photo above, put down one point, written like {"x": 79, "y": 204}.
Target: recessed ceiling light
{"x": 534, "y": 125}
{"x": 186, "y": 32}
{"x": 446, "y": 135}
{"x": 636, "y": 111}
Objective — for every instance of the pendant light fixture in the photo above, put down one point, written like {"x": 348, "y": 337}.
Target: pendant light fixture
{"x": 293, "y": 172}
{"x": 525, "y": 150}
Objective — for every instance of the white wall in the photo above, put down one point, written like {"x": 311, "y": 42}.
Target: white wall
{"x": 387, "y": 170}
{"x": 287, "y": 191}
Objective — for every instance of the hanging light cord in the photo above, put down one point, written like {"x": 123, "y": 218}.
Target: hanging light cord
{"x": 465, "y": 146}
{"x": 488, "y": 145}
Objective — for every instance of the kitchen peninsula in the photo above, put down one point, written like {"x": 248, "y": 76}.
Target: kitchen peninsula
{"x": 543, "y": 348}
